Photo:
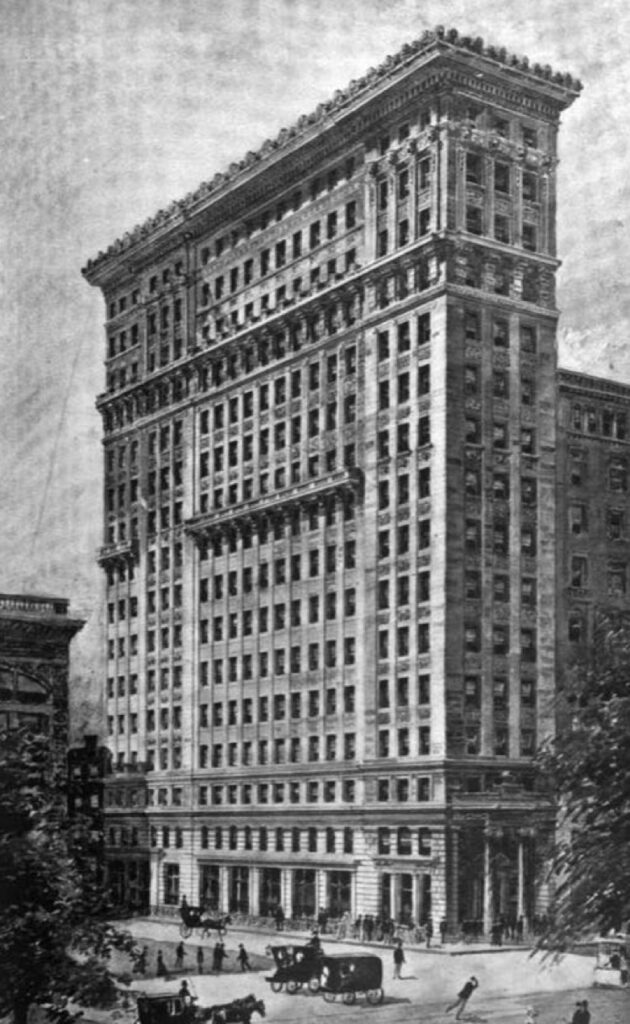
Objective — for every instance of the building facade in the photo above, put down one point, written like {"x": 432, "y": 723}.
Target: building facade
{"x": 330, "y": 504}
{"x": 35, "y": 635}
{"x": 593, "y": 460}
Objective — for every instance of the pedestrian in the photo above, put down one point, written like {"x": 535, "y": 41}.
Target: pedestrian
{"x": 160, "y": 970}
{"x": 519, "y": 928}
{"x": 199, "y": 959}
{"x": 463, "y": 996}
{"x": 140, "y": 962}
{"x": 399, "y": 959}
{"x": 443, "y": 927}
{"x": 428, "y": 931}
{"x": 243, "y": 958}
{"x": 180, "y": 953}
{"x": 220, "y": 955}
{"x": 184, "y": 994}
{"x": 279, "y": 915}
{"x": 582, "y": 1014}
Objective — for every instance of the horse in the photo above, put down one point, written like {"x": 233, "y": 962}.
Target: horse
{"x": 216, "y": 924}
{"x": 239, "y": 1011}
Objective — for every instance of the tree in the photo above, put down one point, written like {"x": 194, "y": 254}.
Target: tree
{"x": 587, "y": 766}
{"x": 55, "y": 941}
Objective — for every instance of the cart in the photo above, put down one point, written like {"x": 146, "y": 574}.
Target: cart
{"x": 295, "y": 966}
{"x": 345, "y": 977}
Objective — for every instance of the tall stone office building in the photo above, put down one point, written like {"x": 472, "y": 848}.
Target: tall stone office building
{"x": 330, "y": 501}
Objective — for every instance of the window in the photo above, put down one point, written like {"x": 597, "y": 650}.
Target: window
{"x": 472, "y": 692}
{"x": 615, "y": 523}
{"x": 501, "y": 177}
{"x": 528, "y": 645}
{"x": 618, "y": 475}
{"x": 529, "y": 241}
{"x": 474, "y": 220}
{"x": 472, "y": 638}
{"x": 474, "y": 169}
{"x": 579, "y": 571}
{"x": 530, "y": 187}
{"x": 617, "y": 579}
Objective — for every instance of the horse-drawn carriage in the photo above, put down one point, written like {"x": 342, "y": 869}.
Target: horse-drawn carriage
{"x": 345, "y": 976}
{"x": 295, "y": 966}
{"x": 196, "y": 917}
{"x": 169, "y": 1008}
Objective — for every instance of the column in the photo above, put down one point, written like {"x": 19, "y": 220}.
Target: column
{"x": 254, "y": 890}
{"x": 520, "y": 895}
{"x": 154, "y": 883}
{"x": 224, "y": 891}
{"x": 416, "y": 897}
{"x": 487, "y": 884}
{"x": 395, "y": 883}
{"x": 452, "y": 902}
{"x": 286, "y": 879}
{"x": 321, "y": 896}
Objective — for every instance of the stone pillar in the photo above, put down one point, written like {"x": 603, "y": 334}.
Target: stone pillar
{"x": 286, "y": 879}
{"x": 395, "y": 896}
{"x": 321, "y": 895}
{"x": 487, "y": 885}
{"x": 254, "y": 890}
{"x": 154, "y": 883}
{"x": 224, "y": 890}
{"x": 520, "y": 897}
{"x": 416, "y": 895}
{"x": 452, "y": 903}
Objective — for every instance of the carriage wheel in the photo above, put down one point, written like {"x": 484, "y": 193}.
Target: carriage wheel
{"x": 184, "y": 930}
{"x": 329, "y": 996}
{"x": 314, "y": 984}
{"x": 293, "y": 986}
{"x": 375, "y": 996}
{"x": 349, "y": 998}
{"x": 276, "y": 986}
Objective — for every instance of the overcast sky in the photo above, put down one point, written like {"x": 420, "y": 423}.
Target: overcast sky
{"x": 110, "y": 110}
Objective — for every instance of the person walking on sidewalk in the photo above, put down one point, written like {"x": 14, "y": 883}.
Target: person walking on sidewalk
{"x": 219, "y": 955}
{"x": 199, "y": 959}
{"x": 443, "y": 927}
{"x": 180, "y": 953}
{"x": 428, "y": 931}
{"x": 243, "y": 958}
{"x": 161, "y": 971}
{"x": 399, "y": 959}
{"x": 463, "y": 996}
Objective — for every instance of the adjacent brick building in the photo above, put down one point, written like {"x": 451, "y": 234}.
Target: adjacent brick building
{"x": 330, "y": 547}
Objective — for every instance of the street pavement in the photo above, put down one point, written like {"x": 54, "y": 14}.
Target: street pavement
{"x": 510, "y": 980}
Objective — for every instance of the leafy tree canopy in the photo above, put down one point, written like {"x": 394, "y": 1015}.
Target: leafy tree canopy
{"x": 54, "y": 939}
{"x": 588, "y": 768}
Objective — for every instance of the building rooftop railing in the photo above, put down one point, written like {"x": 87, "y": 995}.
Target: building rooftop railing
{"x": 33, "y": 605}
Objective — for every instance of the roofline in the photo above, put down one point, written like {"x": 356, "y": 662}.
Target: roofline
{"x": 343, "y": 103}
{"x": 576, "y": 380}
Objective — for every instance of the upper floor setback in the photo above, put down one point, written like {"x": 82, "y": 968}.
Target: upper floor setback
{"x": 513, "y": 101}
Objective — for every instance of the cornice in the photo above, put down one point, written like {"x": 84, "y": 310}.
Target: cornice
{"x": 559, "y": 89}
{"x": 589, "y": 385}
